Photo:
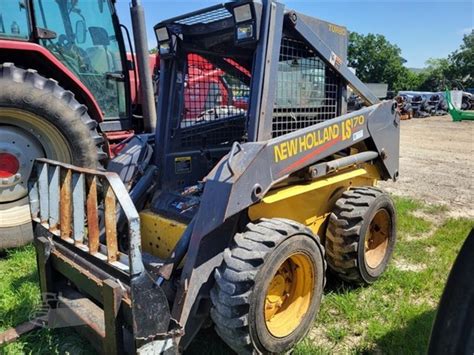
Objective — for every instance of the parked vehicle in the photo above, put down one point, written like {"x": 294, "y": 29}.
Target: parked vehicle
{"x": 233, "y": 216}
{"x": 439, "y": 105}
{"x": 66, "y": 93}
{"x": 467, "y": 101}
{"x": 404, "y": 107}
{"x": 70, "y": 92}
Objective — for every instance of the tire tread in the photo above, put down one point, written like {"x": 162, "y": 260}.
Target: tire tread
{"x": 343, "y": 231}
{"x": 234, "y": 279}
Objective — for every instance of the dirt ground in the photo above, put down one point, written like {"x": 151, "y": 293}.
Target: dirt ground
{"x": 437, "y": 163}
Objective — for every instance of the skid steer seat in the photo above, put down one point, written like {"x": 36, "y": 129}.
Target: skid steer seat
{"x": 132, "y": 159}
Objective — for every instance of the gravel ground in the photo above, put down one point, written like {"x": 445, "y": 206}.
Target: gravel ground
{"x": 437, "y": 163}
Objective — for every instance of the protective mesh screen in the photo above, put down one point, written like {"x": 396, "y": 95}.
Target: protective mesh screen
{"x": 215, "y": 102}
{"x": 306, "y": 93}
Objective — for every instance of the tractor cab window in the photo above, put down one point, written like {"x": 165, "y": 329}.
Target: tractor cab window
{"x": 14, "y": 20}
{"x": 85, "y": 41}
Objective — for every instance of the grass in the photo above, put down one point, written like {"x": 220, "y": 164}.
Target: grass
{"x": 392, "y": 316}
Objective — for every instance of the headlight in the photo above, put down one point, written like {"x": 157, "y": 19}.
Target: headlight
{"x": 165, "y": 48}
{"x": 166, "y": 42}
{"x": 245, "y": 23}
{"x": 244, "y": 32}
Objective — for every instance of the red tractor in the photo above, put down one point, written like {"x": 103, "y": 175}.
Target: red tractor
{"x": 209, "y": 94}
{"x": 67, "y": 92}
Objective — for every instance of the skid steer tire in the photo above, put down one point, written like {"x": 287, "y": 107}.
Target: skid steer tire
{"x": 268, "y": 255}
{"x": 39, "y": 118}
{"x": 361, "y": 235}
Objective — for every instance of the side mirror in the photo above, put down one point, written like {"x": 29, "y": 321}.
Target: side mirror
{"x": 81, "y": 32}
{"x": 99, "y": 36}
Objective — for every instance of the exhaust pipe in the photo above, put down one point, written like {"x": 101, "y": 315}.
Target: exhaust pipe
{"x": 144, "y": 74}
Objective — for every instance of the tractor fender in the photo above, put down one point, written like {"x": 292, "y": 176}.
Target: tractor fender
{"x": 33, "y": 56}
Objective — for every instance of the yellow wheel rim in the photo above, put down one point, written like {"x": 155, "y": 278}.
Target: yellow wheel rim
{"x": 289, "y": 295}
{"x": 376, "y": 239}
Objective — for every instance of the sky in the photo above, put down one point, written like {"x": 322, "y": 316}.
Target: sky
{"x": 422, "y": 29}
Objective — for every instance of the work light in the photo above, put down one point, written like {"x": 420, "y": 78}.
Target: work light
{"x": 165, "y": 41}
{"x": 165, "y": 49}
{"x": 245, "y": 24}
{"x": 162, "y": 34}
{"x": 244, "y": 32}
{"x": 242, "y": 13}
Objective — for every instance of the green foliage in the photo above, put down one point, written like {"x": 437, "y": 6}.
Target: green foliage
{"x": 376, "y": 60}
{"x": 438, "y": 75}
{"x": 462, "y": 61}
{"x": 410, "y": 80}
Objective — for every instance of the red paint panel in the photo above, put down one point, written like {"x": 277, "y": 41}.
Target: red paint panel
{"x": 79, "y": 88}
{"x": 153, "y": 62}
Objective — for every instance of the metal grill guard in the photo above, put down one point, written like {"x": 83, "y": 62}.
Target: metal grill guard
{"x": 213, "y": 95}
{"x": 306, "y": 91}
{"x": 66, "y": 200}
{"x": 105, "y": 291}
{"x": 214, "y": 14}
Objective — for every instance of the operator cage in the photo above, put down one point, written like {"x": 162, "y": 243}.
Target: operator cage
{"x": 212, "y": 79}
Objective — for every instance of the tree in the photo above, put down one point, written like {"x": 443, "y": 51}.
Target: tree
{"x": 462, "y": 61}
{"x": 376, "y": 60}
{"x": 438, "y": 75}
{"x": 410, "y": 81}
{"x": 456, "y": 71}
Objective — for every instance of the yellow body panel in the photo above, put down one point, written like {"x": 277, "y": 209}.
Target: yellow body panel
{"x": 159, "y": 234}
{"x": 312, "y": 202}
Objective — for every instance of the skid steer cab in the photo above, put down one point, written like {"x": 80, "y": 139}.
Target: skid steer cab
{"x": 233, "y": 211}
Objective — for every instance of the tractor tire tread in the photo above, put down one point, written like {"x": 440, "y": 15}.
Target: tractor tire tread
{"x": 235, "y": 277}
{"x": 343, "y": 230}
{"x": 94, "y": 156}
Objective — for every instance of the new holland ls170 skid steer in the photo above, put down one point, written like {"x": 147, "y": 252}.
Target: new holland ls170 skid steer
{"x": 242, "y": 205}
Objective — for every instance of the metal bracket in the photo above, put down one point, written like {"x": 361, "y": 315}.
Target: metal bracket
{"x": 236, "y": 148}
{"x": 43, "y": 33}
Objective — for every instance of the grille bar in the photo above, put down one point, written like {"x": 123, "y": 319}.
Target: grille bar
{"x": 67, "y": 200}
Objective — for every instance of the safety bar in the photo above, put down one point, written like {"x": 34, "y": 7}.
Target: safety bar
{"x": 80, "y": 206}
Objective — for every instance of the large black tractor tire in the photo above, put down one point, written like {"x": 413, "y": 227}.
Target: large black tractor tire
{"x": 269, "y": 287}
{"x": 453, "y": 328}
{"x": 50, "y": 123}
{"x": 361, "y": 235}
{"x": 465, "y": 104}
